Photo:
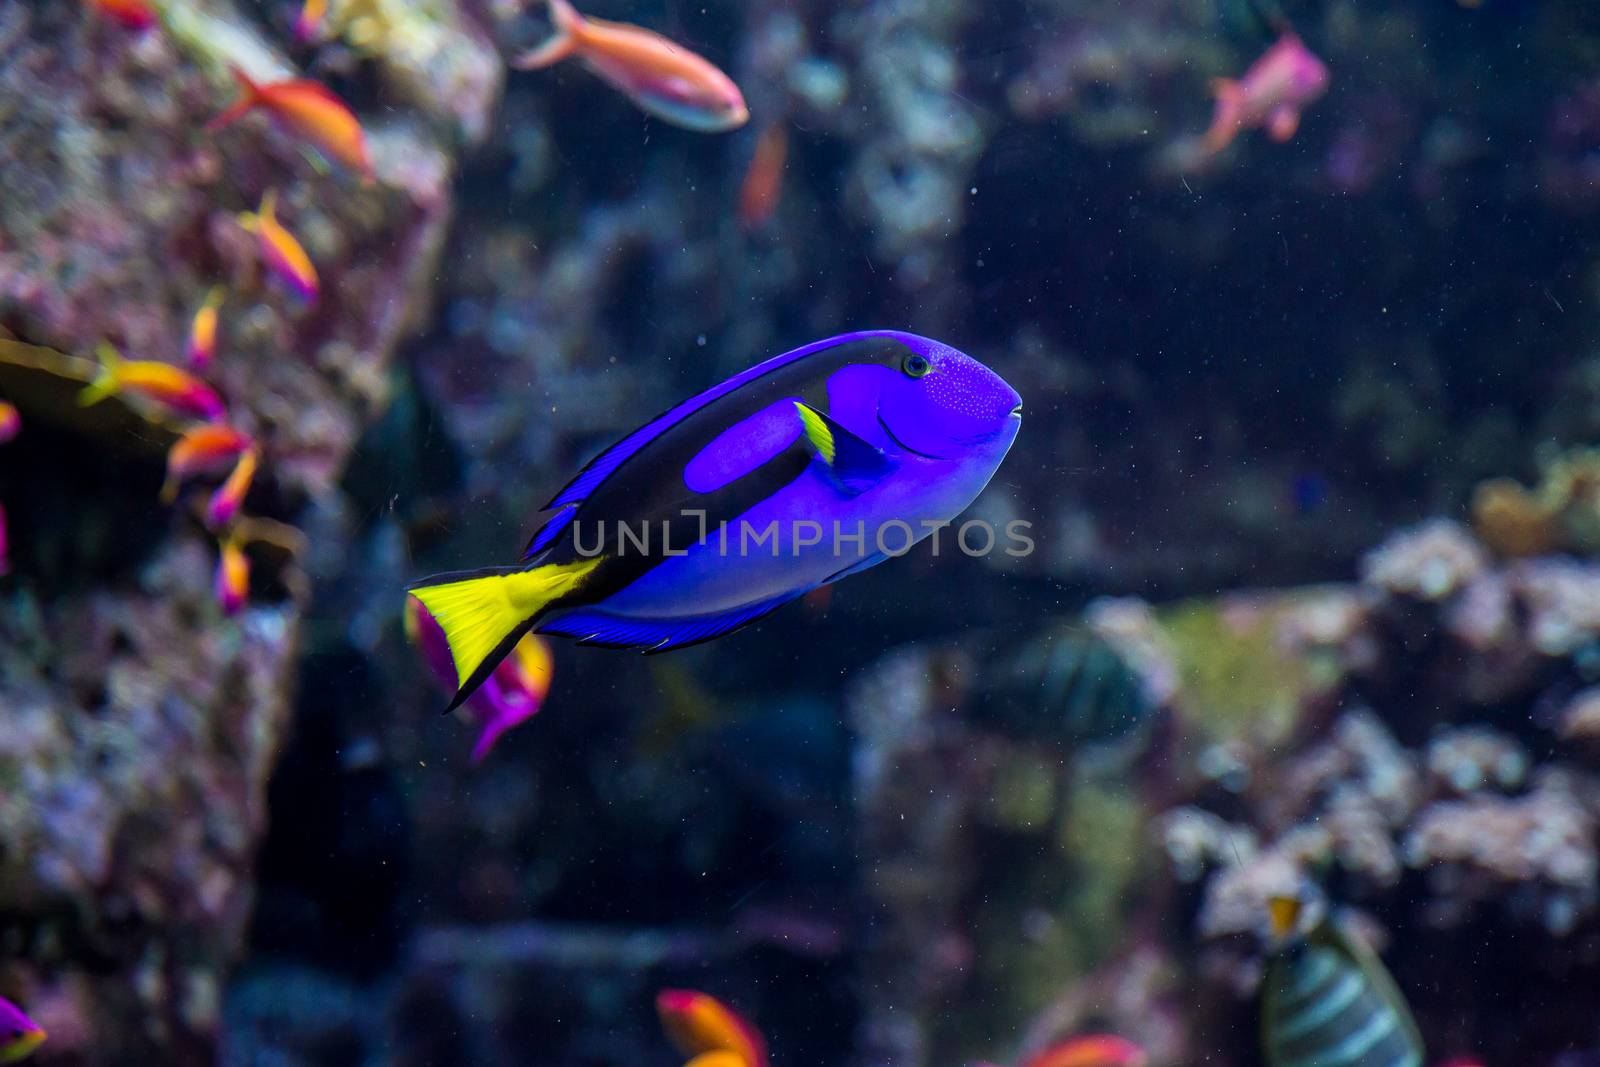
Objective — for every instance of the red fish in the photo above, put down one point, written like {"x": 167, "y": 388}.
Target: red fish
{"x": 1272, "y": 94}
{"x": 166, "y": 385}
{"x": 307, "y": 109}
{"x": 708, "y": 1031}
{"x": 230, "y": 495}
{"x": 763, "y": 181}
{"x": 10, "y": 421}
{"x": 202, "y": 346}
{"x": 233, "y": 576}
{"x": 203, "y": 448}
{"x": 133, "y": 14}
{"x": 660, "y": 76}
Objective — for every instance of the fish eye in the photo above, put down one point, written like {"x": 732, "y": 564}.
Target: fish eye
{"x": 916, "y": 366}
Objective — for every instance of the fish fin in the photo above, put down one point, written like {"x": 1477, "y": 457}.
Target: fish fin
{"x": 857, "y": 464}
{"x": 550, "y": 530}
{"x": 855, "y": 568}
{"x": 1225, "y": 120}
{"x": 603, "y": 466}
{"x": 250, "y": 98}
{"x": 484, "y": 613}
{"x": 1282, "y": 123}
{"x": 592, "y": 627}
{"x": 568, "y": 26}
{"x": 105, "y": 383}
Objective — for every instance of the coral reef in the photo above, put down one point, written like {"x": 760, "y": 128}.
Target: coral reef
{"x": 141, "y": 727}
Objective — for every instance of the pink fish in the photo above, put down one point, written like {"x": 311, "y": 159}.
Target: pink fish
{"x": 513, "y": 694}
{"x": 10, "y": 421}
{"x": 201, "y": 348}
{"x": 233, "y": 576}
{"x": 283, "y": 254}
{"x": 165, "y": 385}
{"x": 1277, "y": 87}
{"x": 225, "y": 502}
{"x": 202, "y": 448}
{"x": 660, "y": 76}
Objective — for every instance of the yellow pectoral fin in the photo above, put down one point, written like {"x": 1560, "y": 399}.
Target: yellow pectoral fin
{"x": 817, "y": 432}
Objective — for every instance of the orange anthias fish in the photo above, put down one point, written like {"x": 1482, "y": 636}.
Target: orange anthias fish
{"x": 225, "y": 502}
{"x": 708, "y": 1031}
{"x": 233, "y": 576}
{"x": 308, "y": 24}
{"x": 665, "y": 79}
{"x": 202, "y": 346}
{"x": 201, "y": 449}
{"x": 166, "y": 385}
{"x": 763, "y": 181}
{"x": 307, "y": 109}
{"x": 1272, "y": 93}
{"x": 10, "y": 421}
{"x": 1089, "y": 1050}
{"x": 134, "y": 14}
{"x": 284, "y": 256}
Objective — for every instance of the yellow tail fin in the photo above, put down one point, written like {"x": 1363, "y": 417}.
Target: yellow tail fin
{"x": 483, "y": 613}
{"x": 105, "y": 383}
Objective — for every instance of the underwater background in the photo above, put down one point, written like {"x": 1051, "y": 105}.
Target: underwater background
{"x": 1311, "y": 463}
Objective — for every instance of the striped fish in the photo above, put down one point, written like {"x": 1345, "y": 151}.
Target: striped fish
{"x": 1065, "y": 685}
{"x": 1328, "y": 1001}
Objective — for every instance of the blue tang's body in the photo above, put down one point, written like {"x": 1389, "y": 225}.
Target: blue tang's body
{"x": 810, "y": 466}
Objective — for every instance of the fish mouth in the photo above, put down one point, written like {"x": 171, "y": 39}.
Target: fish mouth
{"x": 1016, "y": 412}
{"x": 902, "y": 445}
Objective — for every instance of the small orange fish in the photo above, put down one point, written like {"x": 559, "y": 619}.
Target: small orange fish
{"x": 1283, "y": 82}
{"x": 225, "y": 502}
{"x": 660, "y": 76}
{"x": 202, "y": 346}
{"x": 166, "y": 385}
{"x": 203, "y": 448}
{"x": 763, "y": 181}
{"x": 708, "y": 1031}
{"x": 233, "y": 576}
{"x": 284, "y": 256}
{"x": 133, "y": 14}
{"x": 308, "y": 24}
{"x": 10, "y": 422}
{"x": 1091, "y": 1050}
{"x": 307, "y": 109}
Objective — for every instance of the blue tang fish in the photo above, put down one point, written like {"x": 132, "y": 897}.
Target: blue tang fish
{"x": 810, "y": 466}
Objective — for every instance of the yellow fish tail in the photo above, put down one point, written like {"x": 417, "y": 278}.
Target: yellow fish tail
{"x": 105, "y": 383}
{"x": 484, "y": 613}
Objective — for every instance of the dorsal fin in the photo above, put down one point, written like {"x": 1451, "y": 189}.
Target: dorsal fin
{"x": 603, "y": 466}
